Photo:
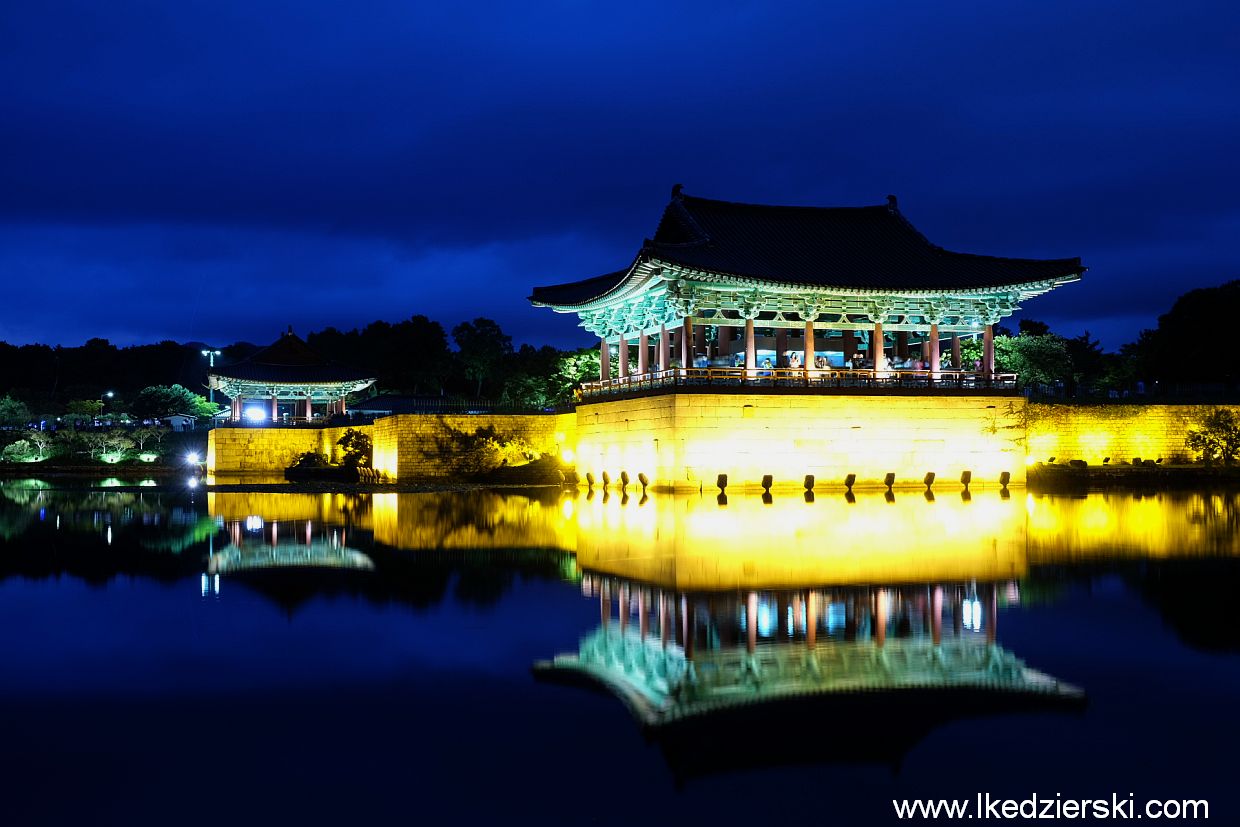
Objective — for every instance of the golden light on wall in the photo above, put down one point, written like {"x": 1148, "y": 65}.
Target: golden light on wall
{"x": 684, "y": 441}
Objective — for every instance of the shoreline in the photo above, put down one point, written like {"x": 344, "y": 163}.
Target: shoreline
{"x": 1041, "y": 478}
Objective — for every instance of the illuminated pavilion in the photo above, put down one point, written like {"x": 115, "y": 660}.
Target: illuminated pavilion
{"x": 818, "y": 295}
{"x": 288, "y": 375}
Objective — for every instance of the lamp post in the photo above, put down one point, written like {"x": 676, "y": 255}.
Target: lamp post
{"x": 102, "y": 404}
{"x": 210, "y": 354}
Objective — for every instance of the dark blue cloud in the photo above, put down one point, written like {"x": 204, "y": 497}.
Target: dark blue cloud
{"x": 219, "y": 170}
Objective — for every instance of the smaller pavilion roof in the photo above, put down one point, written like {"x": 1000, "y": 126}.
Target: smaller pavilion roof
{"x": 290, "y": 361}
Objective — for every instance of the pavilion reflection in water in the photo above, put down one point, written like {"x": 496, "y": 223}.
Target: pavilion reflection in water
{"x": 693, "y": 665}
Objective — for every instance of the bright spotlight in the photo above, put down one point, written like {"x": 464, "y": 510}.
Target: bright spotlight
{"x": 192, "y": 458}
{"x": 255, "y": 414}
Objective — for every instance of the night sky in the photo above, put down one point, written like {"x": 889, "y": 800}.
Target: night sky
{"x": 216, "y": 171}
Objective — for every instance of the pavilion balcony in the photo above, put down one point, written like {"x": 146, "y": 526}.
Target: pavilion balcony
{"x": 800, "y": 380}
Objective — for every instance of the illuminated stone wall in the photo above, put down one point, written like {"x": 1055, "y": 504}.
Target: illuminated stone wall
{"x": 682, "y": 441}
{"x": 418, "y": 446}
{"x": 1121, "y": 432}
{"x": 269, "y": 450}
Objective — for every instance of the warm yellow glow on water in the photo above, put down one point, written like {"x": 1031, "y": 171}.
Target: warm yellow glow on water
{"x": 694, "y": 543}
{"x": 272, "y": 507}
{"x": 1180, "y": 524}
{"x": 476, "y": 519}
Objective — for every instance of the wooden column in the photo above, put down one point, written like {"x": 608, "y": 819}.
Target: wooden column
{"x": 604, "y": 359}
{"x": 665, "y": 349}
{"x": 955, "y": 351}
{"x": 876, "y": 346}
{"x": 991, "y": 618}
{"x": 811, "y": 619}
{"x": 643, "y": 353}
{"x": 622, "y": 607}
{"x": 810, "y": 345}
{"x": 309, "y": 407}
{"x": 751, "y": 353}
{"x": 751, "y": 616}
{"x": 699, "y": 341}
{"x": 988, "y": 351}
{"x": 686, "y": 623}
{"x": 781, "y": 347}
{"x": 275, "y": 408}
{"x": 725, "y": 342}
{"x": 936, "y": 615}
{"x": 934, "y": 349}
{"x": 622, "y": 353}
{"x": 686, "y": 343}
{"x": 882, "y": 604}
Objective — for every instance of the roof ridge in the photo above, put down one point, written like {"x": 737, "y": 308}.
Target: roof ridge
{"x": 683, "y": 197}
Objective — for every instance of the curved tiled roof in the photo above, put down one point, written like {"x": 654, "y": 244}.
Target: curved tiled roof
{"x": 290, "y": 361}
{"x": 871, "y": 247}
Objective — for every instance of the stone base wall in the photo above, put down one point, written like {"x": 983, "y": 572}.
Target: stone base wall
{"x": 684, "y": 441}
{"x": 1121, "y": 432}
{"x": 412, "y": 447}
{"x": 269, "y": 450}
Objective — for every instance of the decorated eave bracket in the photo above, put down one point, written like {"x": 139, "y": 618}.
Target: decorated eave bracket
{"x": 248, "y": 389}
{"x": 665, "y": 302}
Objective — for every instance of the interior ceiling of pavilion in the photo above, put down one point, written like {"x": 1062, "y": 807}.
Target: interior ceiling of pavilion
{"x": 723, "y": 261}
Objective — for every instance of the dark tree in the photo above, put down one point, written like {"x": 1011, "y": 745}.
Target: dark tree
{"x": 483, "y": 348}
{"x": 1193, "y": 341}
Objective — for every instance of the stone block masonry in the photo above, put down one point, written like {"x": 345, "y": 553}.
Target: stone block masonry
{"x": 1122, "y": 432}
{"x": 413, "y": 447}
{"x": 684, "y": 441}
{"x": 269, "y": 450}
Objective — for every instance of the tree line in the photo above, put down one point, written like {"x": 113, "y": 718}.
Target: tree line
{"x": 1189, "y": 349}
{"x": 411, "y": 357}
{"x": 1189, "y": 352}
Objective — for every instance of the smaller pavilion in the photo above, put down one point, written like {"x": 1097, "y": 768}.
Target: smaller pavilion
{"x": 290, "y": 381}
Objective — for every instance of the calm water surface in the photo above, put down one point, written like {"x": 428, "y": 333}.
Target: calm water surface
{"x": 185, "y": 658}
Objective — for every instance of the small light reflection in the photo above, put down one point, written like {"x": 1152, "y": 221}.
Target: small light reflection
{"x": 971, "y": 614}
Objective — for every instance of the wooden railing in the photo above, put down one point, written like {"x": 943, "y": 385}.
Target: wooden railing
{"x": 801, "y": 378}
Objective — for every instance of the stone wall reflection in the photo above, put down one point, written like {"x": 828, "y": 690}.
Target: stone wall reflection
{"x": 1124, "y": 525}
